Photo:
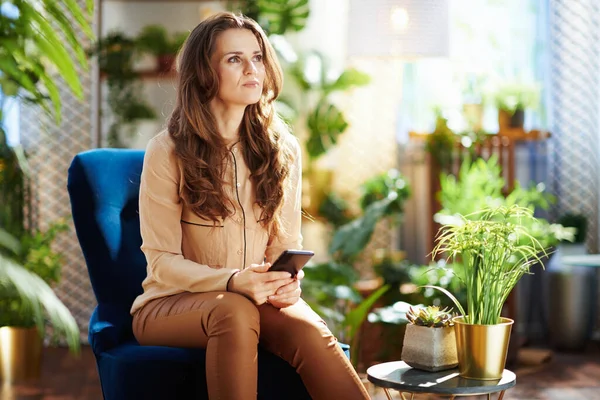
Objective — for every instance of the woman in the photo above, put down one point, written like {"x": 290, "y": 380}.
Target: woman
{"x": 219, "y": 201}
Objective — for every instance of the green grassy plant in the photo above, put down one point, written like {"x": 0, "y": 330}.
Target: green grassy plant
{"x": 495, "y": 251}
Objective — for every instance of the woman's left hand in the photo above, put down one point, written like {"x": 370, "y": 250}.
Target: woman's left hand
{"x": 287, "y": 295}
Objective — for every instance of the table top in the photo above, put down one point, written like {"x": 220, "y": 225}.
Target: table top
{"x": 584, "y": 260}
{"x": 399, "y": 376}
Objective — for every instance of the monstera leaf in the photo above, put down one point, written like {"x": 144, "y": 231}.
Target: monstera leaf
{"x": 348, "y": 79}
{"x": 350, "y": 239}
{"x": 281, "y": 16}
{"x": 325, "y": 124}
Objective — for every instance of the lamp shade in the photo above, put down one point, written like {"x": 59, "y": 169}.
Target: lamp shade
{"x": 405, "y": 29}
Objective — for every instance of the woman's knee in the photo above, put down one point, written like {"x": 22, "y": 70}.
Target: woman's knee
{"x": 306, "y": 335}
{"x": 236, "y": 311}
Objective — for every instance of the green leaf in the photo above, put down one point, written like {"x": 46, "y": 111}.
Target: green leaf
{"x": 51, "y": 46}
{"x": 61, "y": 19}
{"x": 325, "y": 123}
{"x": 9, "y": 242}
{"x": 356, "y": 317}
{"x": 348, "y": 79}
{"x": 10, "y": 67}
{"x": 350, "y": 239}
{"x": 54, "y": 94}
{"x": 282, "y": 16}
{"x": 451, "y": 296}
{"x": 37, "y": 295}
{"x": 79, "y": 16}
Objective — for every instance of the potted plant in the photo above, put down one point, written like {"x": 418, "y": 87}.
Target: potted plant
{"x": 578, "y": 222}
{"x": 512, "y": 99}
{"x": 27, "y": 75}
{"x": 18, "y": 325}
{"x": 130, "y": 113}
{"x": 155, "y": 40}
{"x": 495, "y": 249}
{"x": 429, "y": 340}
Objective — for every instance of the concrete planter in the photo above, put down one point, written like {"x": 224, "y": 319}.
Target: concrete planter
{"x": 429, "y": 349}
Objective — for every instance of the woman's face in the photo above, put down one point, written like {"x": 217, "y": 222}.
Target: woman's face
{"x": 238, "y": 61}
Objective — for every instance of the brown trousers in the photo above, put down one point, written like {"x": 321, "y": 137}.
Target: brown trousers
{"x": 230, "y": 327}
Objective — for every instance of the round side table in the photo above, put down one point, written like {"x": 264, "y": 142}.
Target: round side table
{"x": 397, "y": 375}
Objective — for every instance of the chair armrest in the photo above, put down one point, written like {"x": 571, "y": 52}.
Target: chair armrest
{"x": 109, "y": 326}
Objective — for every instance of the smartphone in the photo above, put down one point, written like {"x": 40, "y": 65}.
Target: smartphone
{"x": 292, "y": 261}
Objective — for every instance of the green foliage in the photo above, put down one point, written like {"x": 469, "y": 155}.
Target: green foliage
{"x": 154, "y": 39}
{"x": 439, "y": 274}
{"x": 116, "y": 53}
{"x": 480, "y": 184}
{"x": 36, "y": 297}
{"x": 440, "y": 143}
{"x": 430, "y": 316}
{"x": 314, "y": 83}
{"x": 390, "y": 184}
{"x": 496, "y": 249}
{"x": 35, "y": 41}
{"x": 577, "y": 221}
{"x": 35, "y": 254}
{"x": 335, "y": 210}
{"x": 511, "y": 97}
{"x": 383, "y": 197}
{"x": 12, "y": 188}
{"x": 282, "y": 16}
{"x": 325, "y": 124}
{"x": 329, "y": 289}
{"x": 276, "y": 17}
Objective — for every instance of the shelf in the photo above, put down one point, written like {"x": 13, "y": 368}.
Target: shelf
{"x": 515, "y": 135}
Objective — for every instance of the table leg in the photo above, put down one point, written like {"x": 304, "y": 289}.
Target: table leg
{"x": 387, "y": 393}
{"x": 501, "y": 396}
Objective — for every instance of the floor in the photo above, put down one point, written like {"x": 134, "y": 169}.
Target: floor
{"x": 540, "y": 376}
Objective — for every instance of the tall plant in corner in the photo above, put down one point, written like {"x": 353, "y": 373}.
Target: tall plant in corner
{"x": 39, "y": 42}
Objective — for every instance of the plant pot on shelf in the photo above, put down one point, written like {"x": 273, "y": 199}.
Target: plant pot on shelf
{"x": 166, "y": 63}
{"x": 429, "y": 349}
{"x": 482, "y": 349}
{"x": 508, "y": 122}
{"x": 20, "y": 354}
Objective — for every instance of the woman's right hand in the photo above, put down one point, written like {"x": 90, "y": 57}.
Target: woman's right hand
{"x": 257, "y": 283}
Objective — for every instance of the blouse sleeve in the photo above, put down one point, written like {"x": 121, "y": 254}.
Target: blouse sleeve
{"x": 160, "y": 222}
{"x": 290, "y": 237}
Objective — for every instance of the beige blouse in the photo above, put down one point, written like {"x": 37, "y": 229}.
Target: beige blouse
{"x": 188, "y": 253}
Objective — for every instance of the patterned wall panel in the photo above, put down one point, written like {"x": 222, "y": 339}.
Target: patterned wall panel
{"x": 575, "y": 79}
{"x": 51, "y": 149}
{"x": 575, "y": 76}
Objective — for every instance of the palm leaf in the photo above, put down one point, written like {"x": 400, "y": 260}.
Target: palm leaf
{"x": 50, "y": 44}
{"x": 79, "y": 16}
{"x": 61, "y": 19}
{"x": 37, "y": 295}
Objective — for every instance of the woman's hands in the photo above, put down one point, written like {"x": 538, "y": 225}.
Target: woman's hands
{"x": 289, "y": 294}
{"x": 258, "y": 283}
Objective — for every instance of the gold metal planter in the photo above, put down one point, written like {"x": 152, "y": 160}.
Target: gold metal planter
{"x": 20, "y": 354}
{"x": 482, "y": 349}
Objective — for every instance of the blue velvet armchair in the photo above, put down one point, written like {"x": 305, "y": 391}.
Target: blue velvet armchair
{"x": 103, "y": 186}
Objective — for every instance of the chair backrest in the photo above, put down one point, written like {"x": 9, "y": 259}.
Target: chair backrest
{"x": 104, "y": 188}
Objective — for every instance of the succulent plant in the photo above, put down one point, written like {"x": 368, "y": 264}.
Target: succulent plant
{"x": 431, "y": 316}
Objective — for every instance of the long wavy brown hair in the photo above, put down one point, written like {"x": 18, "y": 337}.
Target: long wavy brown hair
{"x": 201, "y": 149}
